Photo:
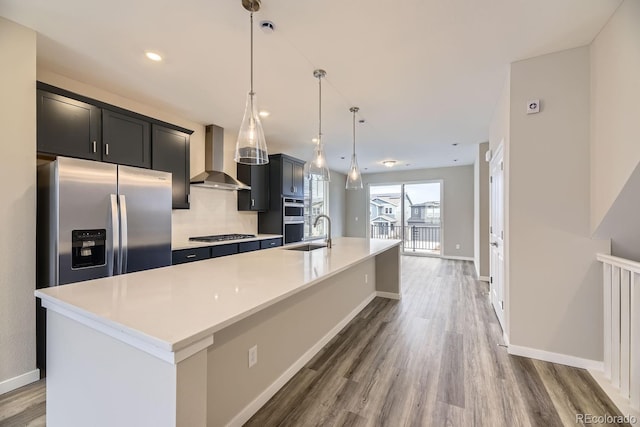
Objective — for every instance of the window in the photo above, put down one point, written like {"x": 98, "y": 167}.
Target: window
{"x": 388, "y": 210}
{"x": 316, "y": 201}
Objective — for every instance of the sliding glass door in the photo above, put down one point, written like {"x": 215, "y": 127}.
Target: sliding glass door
{"x": 409, "y": 212}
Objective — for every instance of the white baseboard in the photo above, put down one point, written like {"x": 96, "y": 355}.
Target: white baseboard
{"x": 389, "y": 295}
{"x": 623, "y": 404}
{"x": 19, "y": 381}
{"x": 268, "y": 393}
{"x": 484, "y": 278}
{"x": 457, "y": 258}
{"x": 562, "y": 359}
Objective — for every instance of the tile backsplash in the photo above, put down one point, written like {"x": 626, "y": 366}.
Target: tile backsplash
{"x": 212, "y": 212}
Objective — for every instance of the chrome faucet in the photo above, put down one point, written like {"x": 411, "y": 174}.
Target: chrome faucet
{"x": 328, "y": 222}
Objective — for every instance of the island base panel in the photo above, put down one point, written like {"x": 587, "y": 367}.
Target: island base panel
{"x": 288, "y": 334}
{"x": 94, "y": 379}
{"x": 388, "y": 273}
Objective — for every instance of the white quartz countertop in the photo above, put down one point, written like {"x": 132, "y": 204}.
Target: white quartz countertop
{"x": 173, "y": 307}
{"x": 188, "y": 244}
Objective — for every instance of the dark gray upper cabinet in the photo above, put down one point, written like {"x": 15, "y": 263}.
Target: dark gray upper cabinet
{"x": 76, "y": 126}
{"x": 68, "y": 127}
{"x": 125, "y": 140}
{"x": 292, "y": 177}
{"x": 171, "y": 154}
{"x": 256, "y": 176}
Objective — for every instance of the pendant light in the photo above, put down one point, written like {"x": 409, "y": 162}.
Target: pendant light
{"x": 354, "y": 179}
{"x": 251, "y": 147}
{"x": 316, "y": 169}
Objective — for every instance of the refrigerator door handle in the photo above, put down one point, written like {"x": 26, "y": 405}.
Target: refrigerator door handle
{"x": 114, "y": 250}
{"x": 123, "y": 233}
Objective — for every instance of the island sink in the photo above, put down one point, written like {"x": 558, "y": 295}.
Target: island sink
{"x": 308, "y": 247}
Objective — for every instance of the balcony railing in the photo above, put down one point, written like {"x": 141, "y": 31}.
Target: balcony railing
{"x": 416, "y": 237}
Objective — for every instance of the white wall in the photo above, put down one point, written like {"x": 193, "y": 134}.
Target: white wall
{"x": 457, "y": 205}
{"x": 615, "y": 131}
{"x": 481, "y": 211}
{"x": 338, "y": 202}
{"x": 555, "y": 297}
{"x": 212, "y": 211}
{"x": 615, "y": 92}
{"x": 18, "y": 208}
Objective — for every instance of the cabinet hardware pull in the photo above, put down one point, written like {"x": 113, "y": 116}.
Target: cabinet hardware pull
{"x": 191, "y": 256}
{"x": 253, "y": 202}
{"x": 106, "y": 149}
{"x": 95, "y": 146}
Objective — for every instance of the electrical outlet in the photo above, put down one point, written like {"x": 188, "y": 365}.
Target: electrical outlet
{"x": 253, "y": 355}
{"x": 457, "y": 245}
{"x": 366, "y": 278}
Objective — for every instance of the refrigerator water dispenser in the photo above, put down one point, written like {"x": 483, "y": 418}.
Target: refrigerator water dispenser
{"x": 88, "y": 248}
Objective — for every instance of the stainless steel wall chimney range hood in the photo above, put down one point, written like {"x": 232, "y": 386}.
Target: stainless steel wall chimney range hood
{"x": 214, "y": 177}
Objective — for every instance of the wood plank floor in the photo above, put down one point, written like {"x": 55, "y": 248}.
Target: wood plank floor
{"x": 24, "y": 406}
{"x": 431, "y": 359}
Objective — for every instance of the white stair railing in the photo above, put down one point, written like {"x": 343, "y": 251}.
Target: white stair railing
{"x": 621, "y": 286}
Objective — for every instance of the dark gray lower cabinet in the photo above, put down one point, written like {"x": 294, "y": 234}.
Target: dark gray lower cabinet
{"x": 223, "y": 250}
{"x": 270, "y": 243}
{"x": 248, "y": 246}
{"x": 187, "y": 255}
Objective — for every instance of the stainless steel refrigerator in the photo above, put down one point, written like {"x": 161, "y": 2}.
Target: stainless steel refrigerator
{"x": 97, "y": 220}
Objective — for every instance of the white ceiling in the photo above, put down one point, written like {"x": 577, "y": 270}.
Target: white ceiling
{"x": 425, "y": 73}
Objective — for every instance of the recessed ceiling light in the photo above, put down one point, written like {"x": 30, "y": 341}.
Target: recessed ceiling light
{"x": 389, "y": 163}
{"x": 342, "y": 158}
{"x": 455, "y": 160}
{"x": 153, "y": 56}
{"x": 455, "y": 144}
{"x": 264, "y": 113}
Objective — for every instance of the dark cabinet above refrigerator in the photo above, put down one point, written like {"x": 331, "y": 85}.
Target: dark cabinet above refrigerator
{"x": 72, "y": 125}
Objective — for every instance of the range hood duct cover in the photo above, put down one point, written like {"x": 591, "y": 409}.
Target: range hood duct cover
{"x": 214, "y": 177}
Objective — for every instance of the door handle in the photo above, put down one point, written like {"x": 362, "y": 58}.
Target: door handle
{"x": 494, "y": 244}
{"x": 106, "y": 149}
{"x": 114, "y": 255}
{"x": 123, "y": 232}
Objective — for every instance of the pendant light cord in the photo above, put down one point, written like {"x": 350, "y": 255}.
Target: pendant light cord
{"x": 251, "y": 87}
{"x": 319, "y": 109}
{"x": 354, "y": 133}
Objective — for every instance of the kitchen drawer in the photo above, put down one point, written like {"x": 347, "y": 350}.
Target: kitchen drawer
{"x": 223, "y": 250}
{"x": 249, "y": 246}
{"x": 187, "y": 255}
{"x": 270, "y": 243}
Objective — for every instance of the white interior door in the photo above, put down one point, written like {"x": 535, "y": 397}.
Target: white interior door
{"x": 496, "y": 234}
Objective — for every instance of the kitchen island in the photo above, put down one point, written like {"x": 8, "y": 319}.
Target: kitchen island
{"x": 169, "y": 346}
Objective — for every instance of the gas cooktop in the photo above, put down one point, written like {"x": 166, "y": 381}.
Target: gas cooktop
{"x": 221, "y": 237}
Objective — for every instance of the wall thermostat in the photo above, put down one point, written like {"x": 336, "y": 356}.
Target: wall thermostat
{"x": 533, "y": 106}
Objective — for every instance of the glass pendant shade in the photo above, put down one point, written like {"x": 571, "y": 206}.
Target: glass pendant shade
{"x": 354, "y": 178}
{"x": 316, "y": 169}
{"x": 251, "y": 146}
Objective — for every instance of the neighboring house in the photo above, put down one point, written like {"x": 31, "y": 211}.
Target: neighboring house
{"x": 386, "y": 209}
{"x": 427, "y": 213}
